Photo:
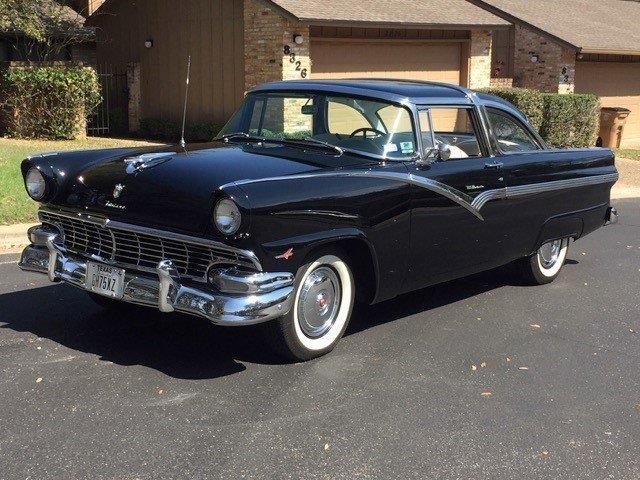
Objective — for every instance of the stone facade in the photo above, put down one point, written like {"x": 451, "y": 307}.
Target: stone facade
{"x": 270, "y": 52}
{"x": 542, "y": 64}
{"x": 480, "y": 59}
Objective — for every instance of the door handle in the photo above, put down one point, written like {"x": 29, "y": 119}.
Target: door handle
{"x": 495, "y": 165}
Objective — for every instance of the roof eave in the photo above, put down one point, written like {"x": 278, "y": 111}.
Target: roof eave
{"x": 438, "y": 26}
{"x": 608, "y": 51}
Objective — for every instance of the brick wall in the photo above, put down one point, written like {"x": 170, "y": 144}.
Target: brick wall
{"x": 266, "y": 32}
{"x": 480, "y": 59}
{"x": 542, "y": 64}
{"x": 501, "y": 82}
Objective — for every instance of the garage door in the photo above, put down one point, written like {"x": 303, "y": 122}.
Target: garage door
{"x": 618, "y": 85}
{"x": 413, "y": 61}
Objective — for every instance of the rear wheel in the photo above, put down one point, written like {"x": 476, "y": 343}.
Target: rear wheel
{"x": 323, "y": 302}
{"x": 545, "y": 265}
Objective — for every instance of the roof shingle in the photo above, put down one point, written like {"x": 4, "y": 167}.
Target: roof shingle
{"x": 593, "y": 26}
{"x": 435, "y": 13}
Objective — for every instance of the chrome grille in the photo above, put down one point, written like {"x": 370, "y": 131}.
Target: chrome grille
{"x": 131, "y": 248}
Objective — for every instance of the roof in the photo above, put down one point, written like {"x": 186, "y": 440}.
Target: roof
{"x": 399, "y": 91}
{"x": 590, "y": 26}
{"x": 424, "y": 13}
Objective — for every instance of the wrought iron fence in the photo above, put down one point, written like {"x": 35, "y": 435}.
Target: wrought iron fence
{"x": 111, "y": 116}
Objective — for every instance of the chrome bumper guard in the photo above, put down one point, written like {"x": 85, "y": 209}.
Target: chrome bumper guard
{"x": 235, "y": 298}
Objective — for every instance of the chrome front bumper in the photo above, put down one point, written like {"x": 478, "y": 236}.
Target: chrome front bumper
{"x": 235, "y": 298}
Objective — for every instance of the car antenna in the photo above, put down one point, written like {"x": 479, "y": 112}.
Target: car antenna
{"x": 183, "y": 144}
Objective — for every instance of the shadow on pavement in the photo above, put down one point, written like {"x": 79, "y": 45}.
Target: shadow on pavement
{"x": 187, "y": 347}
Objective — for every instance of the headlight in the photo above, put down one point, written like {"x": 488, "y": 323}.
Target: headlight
{"x": 36, "y": 184}
{"x": 227, "y": 216}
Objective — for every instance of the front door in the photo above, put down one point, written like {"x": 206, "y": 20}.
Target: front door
{"x": 450, "y": 235}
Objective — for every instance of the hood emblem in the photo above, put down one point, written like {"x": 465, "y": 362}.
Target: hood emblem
{"x": 117, "y": 190}
{"x": 146, "y": 160}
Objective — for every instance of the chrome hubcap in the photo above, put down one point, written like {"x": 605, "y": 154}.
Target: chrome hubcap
{"x": 319, "y": 302}
{"x": 549, "y": 253}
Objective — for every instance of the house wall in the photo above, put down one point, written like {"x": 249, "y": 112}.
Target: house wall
{"x": 555, "y": 68}
{"x": 211, "y": 31}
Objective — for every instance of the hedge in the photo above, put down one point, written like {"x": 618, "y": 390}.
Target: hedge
{"x": 570, "y": 120}
{"x": 529, "y": 102}
{"x": 48, "y": 101}
{"x": 564, "y": 120}
{"x": 169, "y": 130}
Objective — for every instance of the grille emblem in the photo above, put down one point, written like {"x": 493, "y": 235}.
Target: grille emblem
{"x": 117, "y": 190}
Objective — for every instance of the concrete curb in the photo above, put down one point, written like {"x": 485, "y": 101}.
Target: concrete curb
{"x": 13, "y": 238}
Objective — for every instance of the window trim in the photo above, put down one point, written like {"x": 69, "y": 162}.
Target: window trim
{"x": 251, "y": 97}
{"x": 518, "y": 122}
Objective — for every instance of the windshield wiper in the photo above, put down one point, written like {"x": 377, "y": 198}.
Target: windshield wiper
{"x": 304, "y": 142}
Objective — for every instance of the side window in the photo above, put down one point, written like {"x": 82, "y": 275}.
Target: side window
{"x": 510, "y": 134}
{"x": 344, "y": 119}
{"x": 454, "y": 128}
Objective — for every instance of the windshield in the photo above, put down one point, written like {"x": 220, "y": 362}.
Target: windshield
{"x": 372, "y": 127}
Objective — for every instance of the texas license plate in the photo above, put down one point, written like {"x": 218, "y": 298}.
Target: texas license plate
{"x": 104, "y": 280}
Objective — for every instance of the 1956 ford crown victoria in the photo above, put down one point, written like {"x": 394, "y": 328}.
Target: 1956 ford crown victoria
{"x": 315, "y": 194}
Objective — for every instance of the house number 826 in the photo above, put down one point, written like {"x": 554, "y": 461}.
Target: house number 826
{"x": 298, "y": 64}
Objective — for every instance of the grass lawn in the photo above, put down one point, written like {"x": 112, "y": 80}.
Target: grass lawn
{"x": 15, "y": 204}
{"x": 630, "y": 154}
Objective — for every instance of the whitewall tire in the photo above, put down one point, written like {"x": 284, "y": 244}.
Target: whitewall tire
{"x": 324, "y": 297}
{"x": 545, "y": 265}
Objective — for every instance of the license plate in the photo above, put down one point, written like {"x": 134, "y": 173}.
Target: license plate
{"x": 104, "y": 280}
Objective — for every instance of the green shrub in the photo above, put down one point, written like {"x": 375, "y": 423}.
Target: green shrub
{"x": 48, "y": 101}
{"x": 527, "y": 101}
{"x": 563, "y": 120}
{"x": 169, "y": 130}
{"x": 570, "y": 120}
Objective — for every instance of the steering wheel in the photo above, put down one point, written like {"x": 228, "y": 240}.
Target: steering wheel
{"x": 364, "y": 131}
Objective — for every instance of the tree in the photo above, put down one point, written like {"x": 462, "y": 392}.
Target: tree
{"x": 41, "y": 29}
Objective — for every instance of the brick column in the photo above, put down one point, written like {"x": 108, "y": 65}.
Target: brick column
{"x": 266, "y": 33}
{"x": 542, "y": 64}
{"x": 272, "y": 55}
{"x": 133, "y": 86}
{"x": 480, "y": 59}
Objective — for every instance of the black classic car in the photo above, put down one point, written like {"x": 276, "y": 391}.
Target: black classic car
{"x": 316, "y": 194}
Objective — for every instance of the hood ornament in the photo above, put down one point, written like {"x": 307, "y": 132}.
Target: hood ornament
{"x": 146, "y": 160}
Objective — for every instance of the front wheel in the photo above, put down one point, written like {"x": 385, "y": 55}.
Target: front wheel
{"x": 323, "y": 302}
{"x": 544, "y": 266}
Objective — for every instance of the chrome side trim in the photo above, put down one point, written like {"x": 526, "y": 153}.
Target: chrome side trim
{"x": 113, "y": 225}
{"x": 535, "y": 188}
{"x": 451, "y": 193}
{"x": 317, "y": 213}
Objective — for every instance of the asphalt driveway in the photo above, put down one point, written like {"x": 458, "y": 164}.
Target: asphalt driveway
{"x": 477, "y": 378}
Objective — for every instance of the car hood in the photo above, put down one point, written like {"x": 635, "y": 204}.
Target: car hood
{"x": 176, "y": 188}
